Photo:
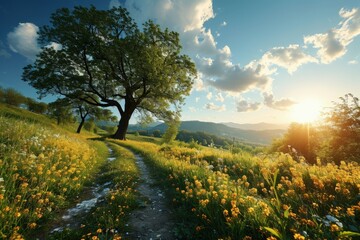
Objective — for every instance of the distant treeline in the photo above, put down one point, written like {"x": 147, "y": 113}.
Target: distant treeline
{"x": 12, "y": 97}
{"x": 62, "y": 110}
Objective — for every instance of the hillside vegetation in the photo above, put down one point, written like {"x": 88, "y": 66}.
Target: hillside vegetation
{"x": 44, "y": 168}
{"x": 214, "y": 193}
{"x": 220, "y": 195}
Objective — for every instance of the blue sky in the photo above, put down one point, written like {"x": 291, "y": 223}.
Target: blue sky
{"x": 257, "y": 60}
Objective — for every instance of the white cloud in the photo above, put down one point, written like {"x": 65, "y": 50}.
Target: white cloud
{"x": 282, "y": 104}
{"x": 290, "y": 58}
{"x": 353, "y": 62}
{"x": 212, "y": 106}
{"x": 185, "y": 15}
{"x": 23, "y": 40}
{"x": 209, "y": 96}
{"x": 198, "y": 84}
{"x": 197, "y": 99}
{"x": 192, "y": 109}
{"x": 332, "y": 44}
{"x": 245, "y": 106}
{"x": 223, "y": 24}
{"x": 219, "y": 97}
{"x": 55, "y": 46}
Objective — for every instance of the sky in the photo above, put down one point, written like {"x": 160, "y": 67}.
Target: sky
{"x": 257, "y": 61}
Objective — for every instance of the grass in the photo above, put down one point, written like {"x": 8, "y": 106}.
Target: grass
{"x": 44, "y": 167}
{"x": 108, "y": 219}
{"x": 224, "y": 196}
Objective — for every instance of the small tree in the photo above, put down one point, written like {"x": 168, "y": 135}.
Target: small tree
{"x": 61, "y": 111}
{"x": 172, "y": 130}
{"x": 36, "y": 107}
{"x": 13, "y": 97}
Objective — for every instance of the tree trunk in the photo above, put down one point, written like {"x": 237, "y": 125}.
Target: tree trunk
{"x": 122, "y": 127}
{"x": 80, "y": 125}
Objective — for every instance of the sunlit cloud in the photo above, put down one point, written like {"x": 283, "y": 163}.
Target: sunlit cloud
{"x": 290, "y": 58}
{"x": 219, "y": 97}
{"x": 245, "y": 106}
{"x": 333, "y": 44}
{"x": 212, "y": 106}
{"x": 282, "y": 104}
{"x": 192, "y": 109}
{"x": 223, "y": 24}
{"x": 23, "y": 40}
{"x": 209, "y": 96}
{"x": 353, "y": 62}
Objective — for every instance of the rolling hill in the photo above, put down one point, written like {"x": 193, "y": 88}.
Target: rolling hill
{"x": 219, "y": 129}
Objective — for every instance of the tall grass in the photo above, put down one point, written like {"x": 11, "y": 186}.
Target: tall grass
{"x": 40, "y": 168}
{"x": 220, "y": 195}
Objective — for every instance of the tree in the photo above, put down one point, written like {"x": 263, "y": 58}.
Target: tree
{"x": 299, "y": 140}
{"x": 172, "y": 130}
{"x": 36, "y": 107}
{"x": 61, "y": 111}
{"x": 104, "y": 54}
{"x": 343, "y": 126}
{"x": 13, "y": 97}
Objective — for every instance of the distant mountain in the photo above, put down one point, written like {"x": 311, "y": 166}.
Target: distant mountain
{"x": 257, "y": 126}
{"x": 219, "y": 129}
{"x": 138, "y": 127}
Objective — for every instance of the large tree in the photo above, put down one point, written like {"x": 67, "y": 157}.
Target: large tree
{"x": 104, "y": 54}
{"x": 343, "y": 130}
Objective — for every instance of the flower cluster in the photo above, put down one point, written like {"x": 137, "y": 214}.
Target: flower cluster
{"x": 243, "y": 196}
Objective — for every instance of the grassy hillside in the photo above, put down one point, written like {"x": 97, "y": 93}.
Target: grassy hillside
{"x": 219, "y": 195}
{"x": 42, "y": 167}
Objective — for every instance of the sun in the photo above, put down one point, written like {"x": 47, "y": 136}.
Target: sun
{"x": 306, "y": 111}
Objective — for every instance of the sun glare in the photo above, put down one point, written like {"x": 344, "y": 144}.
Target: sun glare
{"x": 306, "y": 111}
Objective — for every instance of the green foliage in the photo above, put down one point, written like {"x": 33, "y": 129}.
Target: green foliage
{"x": 36, "y": 107}
{"x": 156, "y": 133}
{"x": 172, "y": 130}
{"x": 343, "y": 127}
{"x": 105, "y": 59}
{"x": 12, "y": 97}
{"x": 61, "y": 111}
{"x": 299, "y": 140}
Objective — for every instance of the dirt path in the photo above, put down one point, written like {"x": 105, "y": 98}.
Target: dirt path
{"x": 153, "y": 220}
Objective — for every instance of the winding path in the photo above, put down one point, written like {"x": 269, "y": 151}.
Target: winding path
{"x": 153, "y": 220}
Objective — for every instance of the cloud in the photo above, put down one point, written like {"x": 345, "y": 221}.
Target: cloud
{"x": 197, "y": 99}
{"x": 282, "y": 104}
{"x": 353, "y": 62}
{"x": 212, "y": 106}
{"x": 3, "y": 52}
{"x": 192, "y": 109}
{"x": 332, "y": 44}
{"x": 185, "y": 15}
{"x": 223, "y": 24}
{"x": 290, "y": 58}
{"x": 209, "y": 96}
{"x": 245, "y": 106}
{"x": 219, "y": 97}
{"x": 23, "y": 40}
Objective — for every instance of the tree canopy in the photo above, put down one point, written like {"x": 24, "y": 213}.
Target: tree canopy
{"x": 103, "y": 56}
